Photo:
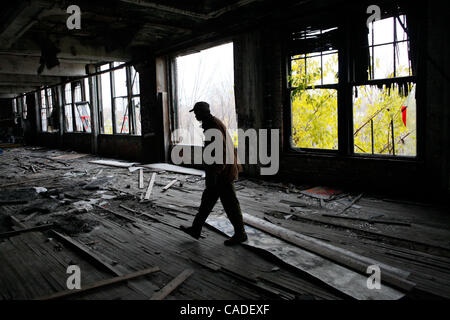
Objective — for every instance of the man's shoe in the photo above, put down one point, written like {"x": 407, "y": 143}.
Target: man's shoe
{"x": 236, "y": 239}
{"x": 191, "y": 231}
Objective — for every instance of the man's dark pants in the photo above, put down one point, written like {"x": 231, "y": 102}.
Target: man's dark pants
{"x": 217, "y": 188}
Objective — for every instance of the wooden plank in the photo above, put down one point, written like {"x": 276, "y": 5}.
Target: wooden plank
{"x": 369, "y": 220}
{"x": 174, "y": 168}
{"x": 69, "y": 156}
{"x": 171, "y": 183}
{"x": 150, "y": 186}
{"x": 392, "y": 276}
{"x": 17, "y": 232}
{"x": 293, "y": 203}
{"x": 99, "y": 284}
{"x": 113, "y": 163}
{"x": 17, "y": 223}
{"x": 352, "y": 203}
{"x": 87, "y": 253}
{"x": 141, "y": 178}
{"x": 131, "y": 219}
{"x": 139, "y": 213}
{"x": 172, "y": 285}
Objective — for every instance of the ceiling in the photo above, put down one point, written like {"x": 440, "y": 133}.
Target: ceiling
{"x": 34, "y": 33}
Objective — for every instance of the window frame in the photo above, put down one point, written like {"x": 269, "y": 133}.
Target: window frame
{"x": 334, "y": 86}
{"x": 172, "y": 78}
{"x": 386, "y": 81}
{"x": 345, "y": 103}
{"x": 132, "y": 125}
{"x": 44, "y": 90}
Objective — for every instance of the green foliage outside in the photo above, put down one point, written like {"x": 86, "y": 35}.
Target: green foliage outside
{"x": 314, "y": 112}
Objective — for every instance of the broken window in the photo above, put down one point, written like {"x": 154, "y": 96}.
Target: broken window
{"x": 207, "y": 76}
{"x": 385, "y": 120}
{"x": 77, "y": 98}
{"x": 24, "y": 107}
{"x": 81, "y": 107}
{"x": 384, "y": 107}
{"x": 389, "y": 48}
{"x": 14, "y": 106}
{"x": 105, "y": 100}
{"x": 51, "y": 111}
{"x": 43, "y": 109}
{"x": 68, "y": 111}
{"x": 16, "y": 109}
{"x": 313, "y": 87}
{"x": 135, "y": 100}
{"x": 120, "y": 99}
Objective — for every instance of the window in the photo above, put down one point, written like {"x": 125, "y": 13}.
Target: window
{"x": 384, "y": 107}
{"x": 82, "y": 108}
{"x": 68, "y": 110}
{"x": 388, "y": 48}
{"x": 43, "y": 108}
{"x": 120, "y": 100}
{"x": 378, "y": 90}
{"x": 77, "y": 112}
{"x": 16, "y": 109}
{"x": 105, "y": 100}
{"x": 385, "y": 122}
{"x": 313, "y": 90}
{"x": 14, "y": 105}
{"x": 135, "y": 99}
{"x": 204, "y": 76}
{"x": 50, "y": 111}
{"x": 24, "y": 107}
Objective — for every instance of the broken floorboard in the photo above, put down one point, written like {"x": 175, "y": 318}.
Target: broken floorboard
{"x": 135, "y": 245}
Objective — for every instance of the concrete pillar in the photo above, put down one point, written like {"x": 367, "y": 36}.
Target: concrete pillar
{"x": 151, "y": 113}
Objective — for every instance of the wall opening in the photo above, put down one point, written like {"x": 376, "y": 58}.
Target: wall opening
{"x": 207, "y": 75}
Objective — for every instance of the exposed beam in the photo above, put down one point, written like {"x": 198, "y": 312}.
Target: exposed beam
{"x": 16, "y": 90}
{"x": 192, "y": 14}
{"x": 169, "y": 9}
{"x": 71, "y": 48}
{"x": 7, "y": 95}
{"x": 24, "y": 80}
{"x": 25, "y": 15}
{"x": 30, "y": 65}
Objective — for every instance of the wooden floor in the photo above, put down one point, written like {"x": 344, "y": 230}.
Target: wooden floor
{"x": 96, "y": 230}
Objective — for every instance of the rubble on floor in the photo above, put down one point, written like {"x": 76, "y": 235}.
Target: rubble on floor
{"x": 116, "y": 218}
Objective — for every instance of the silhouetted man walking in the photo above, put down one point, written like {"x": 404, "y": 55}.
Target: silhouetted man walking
{"x": 219, "y": 182}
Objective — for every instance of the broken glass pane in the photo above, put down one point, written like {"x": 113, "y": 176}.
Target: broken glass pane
{"x": 84, "y": 113}
{"x": 381, "y": 116}
{"x": 121, "y": 114}
{"x": 136, "y": 102}
{"x": 134, "y": 81}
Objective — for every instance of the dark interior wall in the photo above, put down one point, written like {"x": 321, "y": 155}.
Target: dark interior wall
{"x": 7, "y": 125}
{"x": 118, "y": 146}
{"x": 121, "y": 147}
{"x": 437, "y": 117}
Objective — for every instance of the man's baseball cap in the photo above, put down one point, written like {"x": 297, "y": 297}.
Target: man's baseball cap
{"x": 201, "y": 106}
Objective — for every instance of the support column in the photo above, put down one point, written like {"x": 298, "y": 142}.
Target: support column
{"x": 151, "y": 113}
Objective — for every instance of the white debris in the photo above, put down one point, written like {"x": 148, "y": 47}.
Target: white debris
{"x": 40, "y": 189}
